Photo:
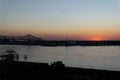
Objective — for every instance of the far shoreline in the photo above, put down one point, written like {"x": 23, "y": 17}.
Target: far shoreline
{"x": 63, "y": 43}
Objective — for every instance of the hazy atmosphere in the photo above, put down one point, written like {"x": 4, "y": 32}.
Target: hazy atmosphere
{"x": 58, "y": 19}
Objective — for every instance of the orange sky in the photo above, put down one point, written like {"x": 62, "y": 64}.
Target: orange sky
{"x": 58, "y": 19}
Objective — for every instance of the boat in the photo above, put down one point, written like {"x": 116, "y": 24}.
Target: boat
{"x": 9, "y": 55}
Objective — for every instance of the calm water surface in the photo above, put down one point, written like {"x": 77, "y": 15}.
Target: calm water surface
{"x": 107, "y": 58}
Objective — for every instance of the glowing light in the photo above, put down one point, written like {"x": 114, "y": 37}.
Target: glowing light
{"x": 96, "y": 39}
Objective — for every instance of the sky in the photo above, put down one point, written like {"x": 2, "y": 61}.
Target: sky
{"x": 61, "y": 19}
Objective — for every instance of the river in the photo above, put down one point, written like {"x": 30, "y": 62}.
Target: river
{"x": 95, "y": 57}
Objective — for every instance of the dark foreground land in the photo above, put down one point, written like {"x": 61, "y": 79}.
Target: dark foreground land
{"x": 16, "y": 70}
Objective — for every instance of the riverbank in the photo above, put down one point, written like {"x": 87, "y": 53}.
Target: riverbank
{"x": 18, "y": 70}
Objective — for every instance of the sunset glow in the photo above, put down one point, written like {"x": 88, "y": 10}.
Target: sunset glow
{"x": 57, "y": 19}
{"x": 97, "y": 39}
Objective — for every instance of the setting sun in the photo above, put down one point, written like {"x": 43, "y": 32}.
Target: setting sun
{"x": 96, "y": 39}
